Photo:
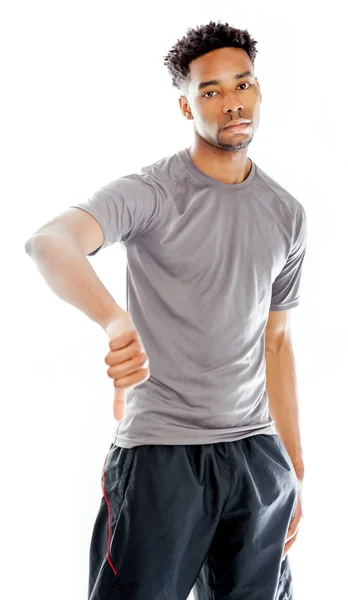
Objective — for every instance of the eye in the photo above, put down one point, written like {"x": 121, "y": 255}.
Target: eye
{"x": 212, "y": 92}
{"x": 208, "y": 93}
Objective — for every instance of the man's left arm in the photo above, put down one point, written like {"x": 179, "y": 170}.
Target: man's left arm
{"x": 281, "y": 386}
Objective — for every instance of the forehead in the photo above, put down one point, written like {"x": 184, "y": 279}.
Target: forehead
{"x": 219, "y": 64}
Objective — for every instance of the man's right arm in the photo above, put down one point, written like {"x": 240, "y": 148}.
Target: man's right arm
{"x": 60, "y": 255}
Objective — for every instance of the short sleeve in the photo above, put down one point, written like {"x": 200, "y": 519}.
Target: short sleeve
{"x": 125, "y": 208}
{"x": 286, "y": 286}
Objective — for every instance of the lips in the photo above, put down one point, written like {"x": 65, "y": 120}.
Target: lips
{"x": 237, "y": 128}
{"x": 236, "y": 123}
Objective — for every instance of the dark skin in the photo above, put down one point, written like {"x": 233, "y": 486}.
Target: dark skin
{"x": 218, "y": 153}
{"x": 223, "y": 156}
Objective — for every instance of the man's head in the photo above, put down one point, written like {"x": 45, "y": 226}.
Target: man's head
{"x": 225, "y": 55}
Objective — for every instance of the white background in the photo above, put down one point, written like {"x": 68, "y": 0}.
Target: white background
{"x": 86, "y": 99}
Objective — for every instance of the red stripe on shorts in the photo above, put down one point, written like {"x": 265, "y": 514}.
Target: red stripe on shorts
{"x": 109, "y": 520}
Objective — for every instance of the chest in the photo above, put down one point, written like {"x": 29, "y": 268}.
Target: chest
{"x": 217, "y": 246}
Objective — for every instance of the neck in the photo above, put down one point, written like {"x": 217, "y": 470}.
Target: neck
{"x": 223, "y": 165}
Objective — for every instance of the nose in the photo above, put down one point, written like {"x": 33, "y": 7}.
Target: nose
{"x": 232, "y": 104}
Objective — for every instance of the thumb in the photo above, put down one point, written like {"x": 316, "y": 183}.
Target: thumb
{"x": 119, "y": 402}
{"x": 114, "y": 329}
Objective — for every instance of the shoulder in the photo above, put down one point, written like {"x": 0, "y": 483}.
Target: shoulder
{"x": 164, "y": 172}
{"x": 285, "y": 198}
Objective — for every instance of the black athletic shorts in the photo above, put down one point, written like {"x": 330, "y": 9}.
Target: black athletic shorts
{"x": 211, "y": 518}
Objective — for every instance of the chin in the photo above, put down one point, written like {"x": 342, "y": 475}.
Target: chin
{"x": 238, "y": 145}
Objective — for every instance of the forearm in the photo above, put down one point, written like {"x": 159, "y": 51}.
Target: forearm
{"x": 283, "y": 401}
{"x": 69, "y": 274}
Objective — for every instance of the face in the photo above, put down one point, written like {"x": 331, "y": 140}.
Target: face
{"x": 235, "y": 95}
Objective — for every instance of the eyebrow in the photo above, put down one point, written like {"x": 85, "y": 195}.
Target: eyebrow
{"x": 204, "y": 84}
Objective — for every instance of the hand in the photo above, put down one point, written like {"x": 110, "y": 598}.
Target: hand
{"x": 126, "y": 359}
{"x": 294, "y": 526}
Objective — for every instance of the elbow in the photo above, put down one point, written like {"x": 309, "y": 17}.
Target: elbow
{"x": 31, "y": 243}
{"x": 28, "y": 245}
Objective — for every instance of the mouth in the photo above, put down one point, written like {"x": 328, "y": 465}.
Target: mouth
{"x": 237, "y": 128}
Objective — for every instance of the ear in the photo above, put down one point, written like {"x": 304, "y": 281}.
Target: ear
{"x": 185, "y": 107}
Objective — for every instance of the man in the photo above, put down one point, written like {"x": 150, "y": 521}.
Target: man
{"x": 201, "y": 484}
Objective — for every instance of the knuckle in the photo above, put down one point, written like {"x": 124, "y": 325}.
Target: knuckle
{"x": 131, "y": 379}
{"x": 118, "y": 384}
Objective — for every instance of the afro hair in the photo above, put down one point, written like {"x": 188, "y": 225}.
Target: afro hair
{"x": 202, "y": 40}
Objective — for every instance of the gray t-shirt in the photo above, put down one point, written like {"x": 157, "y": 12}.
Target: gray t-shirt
{"x": 206, "y": 261}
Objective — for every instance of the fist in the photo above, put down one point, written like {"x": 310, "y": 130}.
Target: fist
{"x": 127, "y": 359}
{"x": 127, "y": 362}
